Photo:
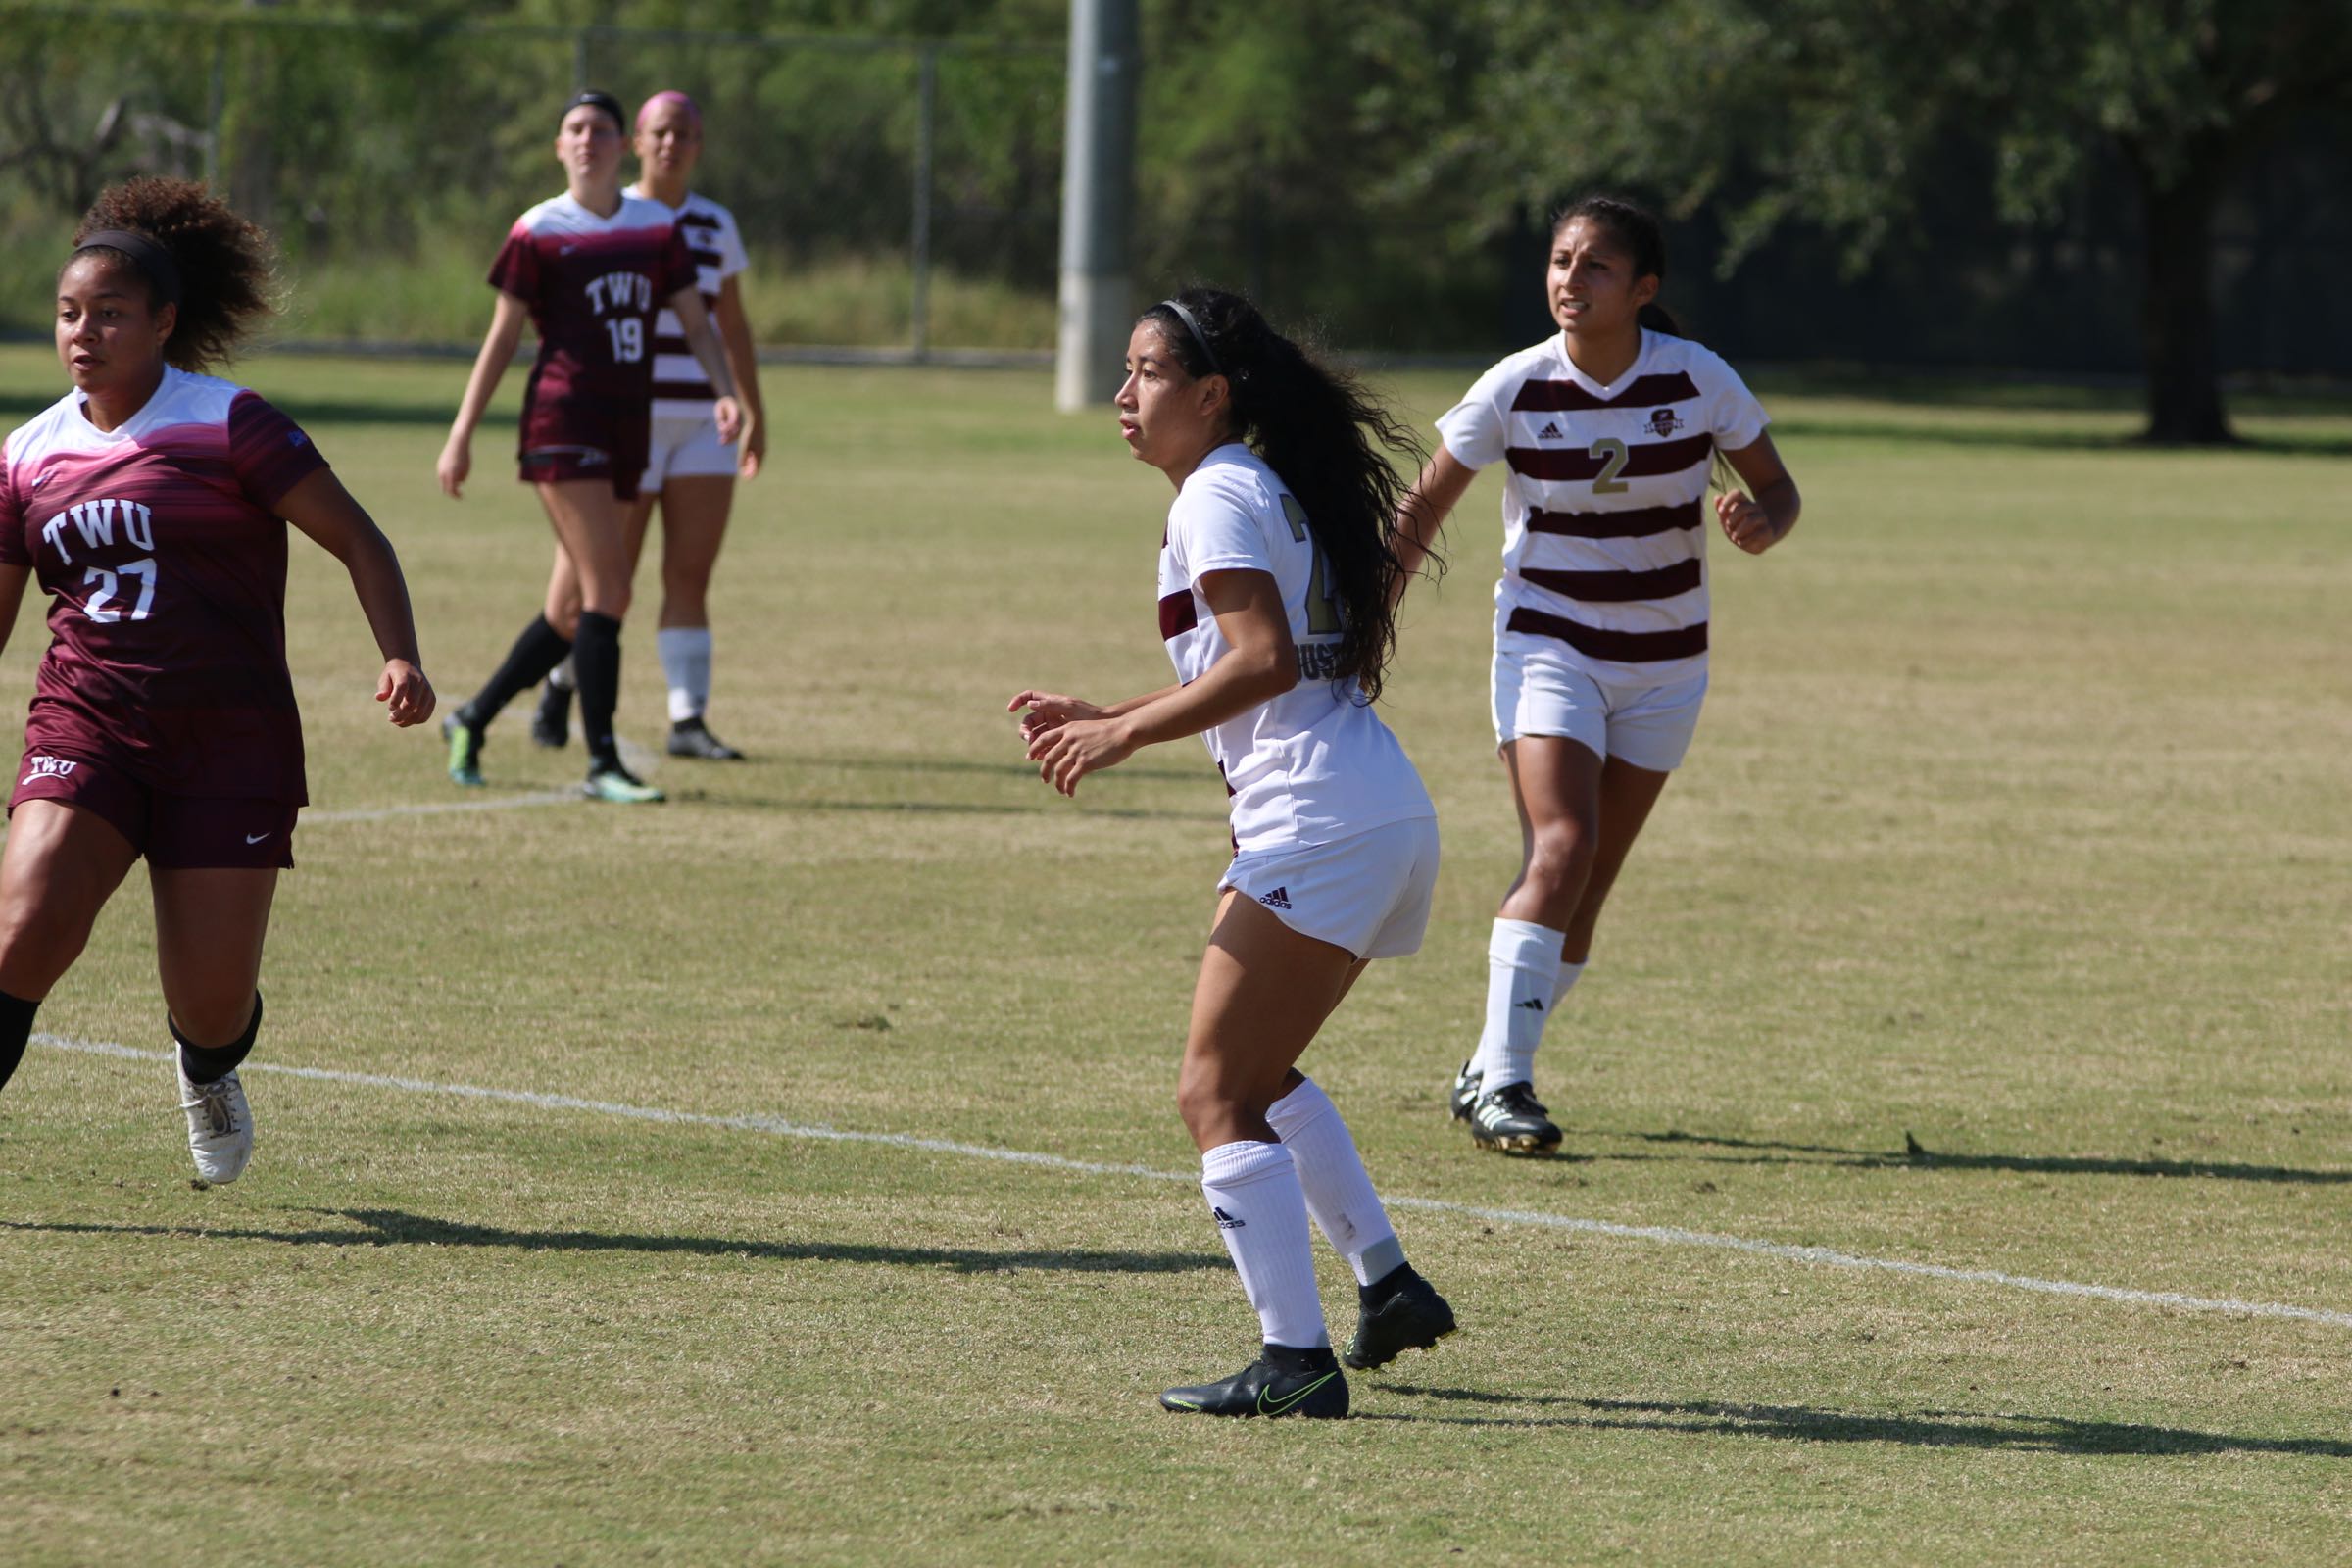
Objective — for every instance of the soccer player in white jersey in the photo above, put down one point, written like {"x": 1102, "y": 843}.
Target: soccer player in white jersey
{"x": 1609, "y": 431}
{"x": 689, "y": 469}
{"x": 1277, "y": 578}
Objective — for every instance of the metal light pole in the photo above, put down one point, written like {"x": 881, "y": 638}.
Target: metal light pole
{"x": 1098, "y": 199}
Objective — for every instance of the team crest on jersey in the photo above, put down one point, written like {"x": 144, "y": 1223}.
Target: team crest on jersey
{"x": 1664, "y": 421}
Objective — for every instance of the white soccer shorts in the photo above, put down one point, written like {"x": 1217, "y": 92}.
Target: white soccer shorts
{"x": 1537, "y": 691}
{"x": 1368, "y": 893}
{"x": 686, "y": 449}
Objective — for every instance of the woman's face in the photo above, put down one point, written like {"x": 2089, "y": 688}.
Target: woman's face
{"x": 669, "y": 141}
{"x": 1165, "y": 416}
{"x": 588, "y": 145}
{"x": 109, "y": 335}
{"x": 1590, "y": 285}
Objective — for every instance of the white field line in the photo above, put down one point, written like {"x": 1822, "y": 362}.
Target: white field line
{"x": 1663, "y": 1235}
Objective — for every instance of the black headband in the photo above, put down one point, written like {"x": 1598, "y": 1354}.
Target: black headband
{"x": 1200, "y": 337}
{"x": 599, "y": 100}
{"x": 148, "y": 256}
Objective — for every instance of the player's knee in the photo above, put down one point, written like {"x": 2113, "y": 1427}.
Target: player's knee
{"x": 214, "y": 1014}
{"x": 1560, "y": 856}
{"x": 35, "y": 953}
{"x": 606, "y": 599}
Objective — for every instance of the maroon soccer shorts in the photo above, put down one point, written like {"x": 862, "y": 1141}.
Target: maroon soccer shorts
{"x": 576, "y": 439}
{"x": 178, "y": 832}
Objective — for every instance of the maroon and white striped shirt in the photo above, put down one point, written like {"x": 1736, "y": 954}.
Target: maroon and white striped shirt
{"x": 1605, "y": 510}
{"x": 681, "y": 391}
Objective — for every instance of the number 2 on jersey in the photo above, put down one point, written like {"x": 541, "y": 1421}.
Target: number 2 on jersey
{"x": 1322, "y": 610}
{"x": 1612, "y": 455}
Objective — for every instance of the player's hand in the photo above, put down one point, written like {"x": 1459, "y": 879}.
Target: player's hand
{"x": 457, "y": 461}
{"x": 729, "y": 415}
{"x": 1049, "y": 711}
{"x": 407, "y": 695}
{"x": 1746, "y": 522}
{"x": 1068, "y": 751}
{"x": 755, "y": 450}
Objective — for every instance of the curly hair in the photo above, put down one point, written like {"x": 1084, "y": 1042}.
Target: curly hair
{"x": 1331, "y": 441}
{"x": 227, "y": 265}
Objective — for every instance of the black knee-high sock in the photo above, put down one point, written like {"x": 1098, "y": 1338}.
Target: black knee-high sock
{"x": 205, "y": 1064}
{"x": 595, "y": 665}
{"x": 16, "y": 1027}
{"x": 540, "y": 649}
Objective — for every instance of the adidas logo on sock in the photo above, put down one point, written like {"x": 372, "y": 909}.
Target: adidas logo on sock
{"x": 1279, "y": 899}
{"x": 1532, "y": 1004}
{"x": 1225, "y": 1221}
{"x": 1549, "y": 432}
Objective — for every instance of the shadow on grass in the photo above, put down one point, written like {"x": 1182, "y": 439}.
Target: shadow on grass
{"x": 390, "y": 1227}
{"x": 1929, "y": 1429}
{"x": 1917, "y": 1157}
{"x": 2027, "y": 439}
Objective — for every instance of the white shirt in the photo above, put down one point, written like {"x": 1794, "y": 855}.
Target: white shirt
{"x": 1605, "y": 508}
{"x": 1315, "y": 763}
{"x": 681, "y": 391}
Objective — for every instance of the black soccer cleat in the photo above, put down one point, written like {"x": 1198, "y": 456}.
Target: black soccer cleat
{"x": 1397, "y": 1313}
{"x": 691, "y": 737}
{"x": 1466, "y": 1091}
{"x": 550, "y": 723}
{"x": 1280, "y": 1382}
{"x": 1510, "y": 1121}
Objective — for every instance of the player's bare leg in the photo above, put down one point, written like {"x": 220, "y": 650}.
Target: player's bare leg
{"x": 210, "y": 924}
{"x": 694, "y": 526}
{"x": 551, "y": 723}
{"x": 59, "y": 867}
{"x": 591, "y": 525}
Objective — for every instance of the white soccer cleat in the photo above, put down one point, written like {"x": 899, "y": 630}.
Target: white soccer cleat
{"x": 219, "y": 1127}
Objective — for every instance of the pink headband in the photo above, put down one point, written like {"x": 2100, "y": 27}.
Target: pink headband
{"x": 670, "y": 96}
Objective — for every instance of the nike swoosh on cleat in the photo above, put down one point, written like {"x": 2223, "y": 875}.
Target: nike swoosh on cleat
{"x": 1267, "y": 1406}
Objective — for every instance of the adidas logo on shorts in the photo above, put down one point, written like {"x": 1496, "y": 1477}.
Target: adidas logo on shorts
{"x": 1279, "y": 899}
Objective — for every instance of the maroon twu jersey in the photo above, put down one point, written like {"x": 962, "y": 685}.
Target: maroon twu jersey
{"x": 594, "y": 286}
{"x": 161, "y": 546}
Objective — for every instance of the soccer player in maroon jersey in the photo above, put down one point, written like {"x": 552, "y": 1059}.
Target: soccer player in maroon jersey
{"x": 152, "y": 501}
{"x": 591, "y": 269}
{"x": 1608, "y": 433}
{"x": 692, "y": 474}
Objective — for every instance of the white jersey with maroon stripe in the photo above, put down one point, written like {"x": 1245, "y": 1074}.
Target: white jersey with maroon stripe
{"x": 1315, "y": 763}
{"x": 1605, "y": 508}
{"x": 680, "y": 388}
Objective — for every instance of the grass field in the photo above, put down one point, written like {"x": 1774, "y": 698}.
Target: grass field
{"x": 2016, "y": 828}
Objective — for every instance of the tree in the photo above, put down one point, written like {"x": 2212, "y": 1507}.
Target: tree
{"x": 1824, "y": 110}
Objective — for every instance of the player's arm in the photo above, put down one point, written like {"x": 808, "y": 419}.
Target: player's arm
{"x": 12, "y": 597}
{"x": 322, "y": 509}
{"x": 1756, "y": 524}
{"x": 695, "y": 318}
{"x": 1047, "y": 710}
{"x": 735, "y": 336}
{"x": 498, "y": 352}
{"x": 1260, "y": 663}
{"x": 1422, "y": 515}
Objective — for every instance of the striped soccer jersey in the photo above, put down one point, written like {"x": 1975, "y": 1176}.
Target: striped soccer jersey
{"x": 681, "y": 391}
{"x": 161, "y": 546}
{"x": 1315, "y": 763}
{"x": 1604, "y": 508}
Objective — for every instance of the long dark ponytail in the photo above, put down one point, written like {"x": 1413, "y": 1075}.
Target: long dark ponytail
{"x": 1332, "y": 443}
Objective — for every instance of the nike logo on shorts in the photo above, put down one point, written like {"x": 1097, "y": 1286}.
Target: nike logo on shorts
{"x": 255, "y": 838}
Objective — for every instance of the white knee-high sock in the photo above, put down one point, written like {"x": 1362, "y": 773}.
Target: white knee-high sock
{"x": 1253, "y": 1195}
{"x": 686, "y": 667}
{"x": 1338, "y": 1193}
{"x": 1523, "y": 971}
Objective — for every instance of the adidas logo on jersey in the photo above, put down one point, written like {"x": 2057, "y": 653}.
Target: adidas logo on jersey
{"x": 1279, "y": 899}
{"x": 1549, "y": 432}
{"x": 1225, "y": 1221}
